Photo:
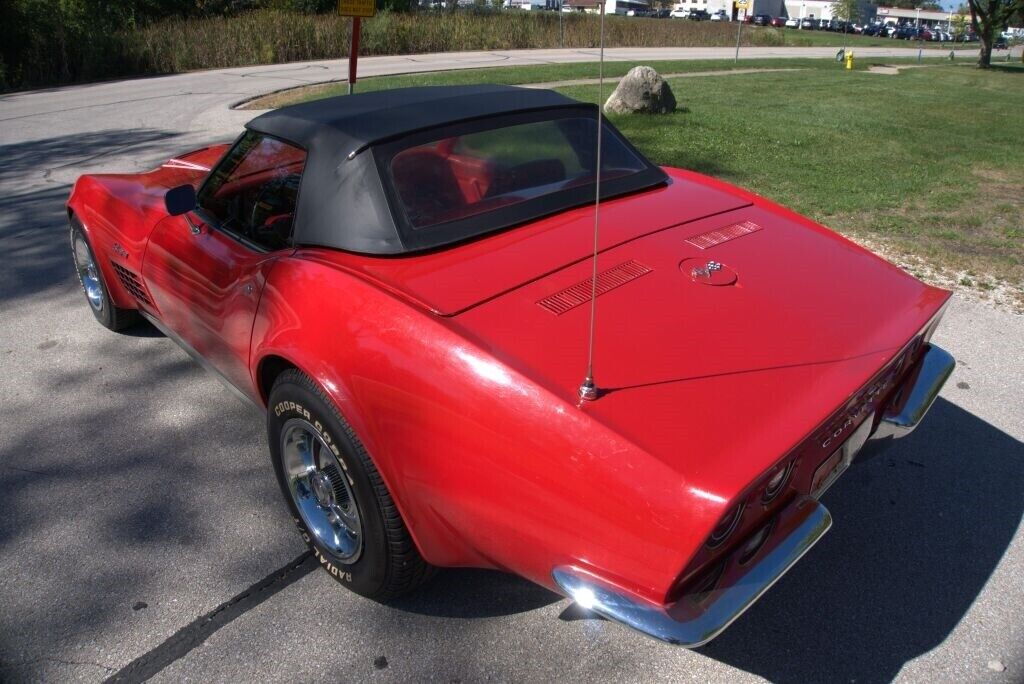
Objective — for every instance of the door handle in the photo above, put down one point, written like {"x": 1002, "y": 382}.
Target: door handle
{"x": 193, "y": 226}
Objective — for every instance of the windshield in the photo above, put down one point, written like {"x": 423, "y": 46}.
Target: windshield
{"x": 507, "y": 171}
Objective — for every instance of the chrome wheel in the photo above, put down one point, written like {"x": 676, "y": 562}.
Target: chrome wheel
{"x": 321, "y": 490}
{"x": 88, "y": 273}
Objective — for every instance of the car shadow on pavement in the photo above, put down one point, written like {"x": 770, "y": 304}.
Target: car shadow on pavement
{"x": 917, "y": 533}
{"x": 470, "y": 593}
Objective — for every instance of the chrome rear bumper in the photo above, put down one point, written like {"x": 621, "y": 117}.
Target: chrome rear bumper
{"x": 920, "y": 390}
{"x": 695, "y": 620}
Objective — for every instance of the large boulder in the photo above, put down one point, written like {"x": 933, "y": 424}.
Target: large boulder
{"x": 641, "y": 90}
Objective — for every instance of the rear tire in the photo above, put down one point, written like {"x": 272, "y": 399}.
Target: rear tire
{"x": 90, "y": 276}
{"x": 336, "y": 496}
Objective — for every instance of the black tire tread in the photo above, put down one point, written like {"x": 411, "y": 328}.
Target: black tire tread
{"x": 406, "y": 568}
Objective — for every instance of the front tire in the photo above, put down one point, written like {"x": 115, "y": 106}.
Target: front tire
{"x": 90, "y": 276}
{"x": 336, "y": 496}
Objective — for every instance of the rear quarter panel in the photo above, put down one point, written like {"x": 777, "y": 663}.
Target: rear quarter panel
{"x": 487, "y": 468}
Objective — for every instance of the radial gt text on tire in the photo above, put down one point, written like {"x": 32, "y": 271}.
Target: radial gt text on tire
{"x": 336, "y": 496}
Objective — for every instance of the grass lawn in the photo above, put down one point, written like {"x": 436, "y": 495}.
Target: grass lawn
{"x": 927, "y": 163}
{"x": 547, "y": 73}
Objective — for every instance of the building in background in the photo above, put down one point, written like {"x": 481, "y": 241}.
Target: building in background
{"x": 620, "y": 7}
{"x": 918, "y": 17}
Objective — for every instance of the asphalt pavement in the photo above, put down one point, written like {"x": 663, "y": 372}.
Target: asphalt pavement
{"x": 142, "y": 533}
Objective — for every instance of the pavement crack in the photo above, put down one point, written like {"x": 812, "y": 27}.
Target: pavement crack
{"x": 61, "y": 661}
{"x": 202, "y": 628}
{"x": 94, "y": 105}
{"x": 24, "y": 470}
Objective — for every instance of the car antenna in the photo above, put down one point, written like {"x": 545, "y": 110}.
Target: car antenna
{"x": 588, "y": 390}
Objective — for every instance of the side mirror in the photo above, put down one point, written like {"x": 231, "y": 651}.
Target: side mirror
{"x": 180, "y": 200}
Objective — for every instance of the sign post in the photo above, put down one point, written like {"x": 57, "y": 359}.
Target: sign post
{"x": 357, "y": 9}
{"x": 740, "y": 5}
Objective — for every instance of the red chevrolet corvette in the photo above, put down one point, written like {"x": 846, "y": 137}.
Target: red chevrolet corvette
{"x": 402, "y": 280}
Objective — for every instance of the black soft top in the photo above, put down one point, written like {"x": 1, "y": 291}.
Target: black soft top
{"x": 351, "y": 123}
{"x": 344, "y": 201}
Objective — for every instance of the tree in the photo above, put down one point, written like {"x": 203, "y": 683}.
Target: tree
{"x": 988, "y": 17}
{"x": 846, "y": 10}
{"x": 958, "y": 25}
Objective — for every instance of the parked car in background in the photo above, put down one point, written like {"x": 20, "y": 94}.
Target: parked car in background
{"x": 698, "y": 15}
{"x": 662, "y": 14}
{"x": 808, "y": 23}
{"x": 761, "y": 20}
{"x": 779, "y": 22}
{"x": 793, "y": 22}
{"x": 720, "y": 15}
{"x": 679, "y": 14}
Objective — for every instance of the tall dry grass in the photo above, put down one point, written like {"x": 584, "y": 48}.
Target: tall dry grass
{"x": 270, "y": 36}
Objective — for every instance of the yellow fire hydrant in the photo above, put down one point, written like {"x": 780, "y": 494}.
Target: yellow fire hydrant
{"x": 849, "y": 59}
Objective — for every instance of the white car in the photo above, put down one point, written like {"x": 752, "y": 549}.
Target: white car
{"x": 720, "y": 15}
{"x": 793, "y": 22}
{"x": 679, "y": 14}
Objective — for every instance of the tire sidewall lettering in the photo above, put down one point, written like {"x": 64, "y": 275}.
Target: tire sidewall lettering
{"x": 283, "y": 407}
{"x": 280, "y": 410}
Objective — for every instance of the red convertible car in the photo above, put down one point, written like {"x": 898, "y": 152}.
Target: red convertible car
{"x": 403, "y": 280}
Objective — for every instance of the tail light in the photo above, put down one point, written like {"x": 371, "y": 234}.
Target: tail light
{"x": 777, "y": 483}
{"x": 755, "y": 542}
{"x": 726, "y": 527}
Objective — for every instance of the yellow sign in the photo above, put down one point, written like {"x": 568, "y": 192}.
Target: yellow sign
{"x": 741, "y": 4}
{"x": 357, "y": 8}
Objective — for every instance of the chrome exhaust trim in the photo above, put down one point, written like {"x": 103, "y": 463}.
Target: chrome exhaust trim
{"x": 693, "y": 620}
{"x": 919, "y": 393}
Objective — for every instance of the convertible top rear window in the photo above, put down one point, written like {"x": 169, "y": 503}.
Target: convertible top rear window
{"x": 456, "y": 182}
{"x": 466, "y": 175}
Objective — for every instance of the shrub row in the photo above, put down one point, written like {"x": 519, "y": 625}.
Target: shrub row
{"x": 273, "y": 36}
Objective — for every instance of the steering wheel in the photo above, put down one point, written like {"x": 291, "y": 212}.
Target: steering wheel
{"x": 272, "y": 201}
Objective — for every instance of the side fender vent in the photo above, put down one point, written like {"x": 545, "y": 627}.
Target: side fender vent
{"x": 131, "y": 283}
{"x": 609, "y": 279}
{"x": 720, "y": 235}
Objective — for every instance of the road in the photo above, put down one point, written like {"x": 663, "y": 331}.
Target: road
{"x": 142, "y": 533}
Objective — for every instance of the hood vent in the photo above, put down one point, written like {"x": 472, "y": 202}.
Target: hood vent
{"x": 720, "y": 235}
{"x": 571, "y": 297}
{"x": 131, "y": 283}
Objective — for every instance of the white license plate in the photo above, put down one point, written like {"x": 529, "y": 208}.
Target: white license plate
{"x": 836, "y": 464}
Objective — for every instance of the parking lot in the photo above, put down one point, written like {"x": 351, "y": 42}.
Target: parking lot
{"x": 142, "y": 533}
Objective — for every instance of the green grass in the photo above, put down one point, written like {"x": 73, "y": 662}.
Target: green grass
{"x": 548, "y": 73}
{"x": 925, "y": 163}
